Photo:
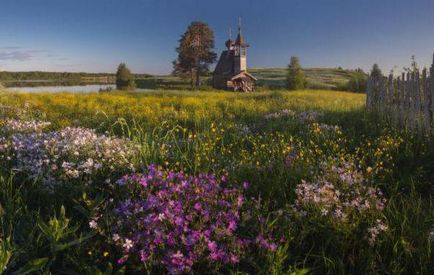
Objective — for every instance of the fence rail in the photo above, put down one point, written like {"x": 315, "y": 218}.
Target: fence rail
{"x": 407, "y": 100}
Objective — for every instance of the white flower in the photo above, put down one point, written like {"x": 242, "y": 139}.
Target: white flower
{"x": 93, "y": 224}
{"x": 48, "y": 155}
{"x": 128, "y": 244}
{"x": 161, "y": 217}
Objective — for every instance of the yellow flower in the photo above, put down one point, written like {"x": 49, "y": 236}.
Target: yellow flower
{"x": 369, "y": 169}
{"x": 105, "y": 254}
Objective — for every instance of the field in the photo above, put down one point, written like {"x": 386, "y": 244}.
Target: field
{"x": 317, "y": 78}
{"x": 272, "y": 182}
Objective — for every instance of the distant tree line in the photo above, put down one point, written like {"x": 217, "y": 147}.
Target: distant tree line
{"x": 57, "y": 76}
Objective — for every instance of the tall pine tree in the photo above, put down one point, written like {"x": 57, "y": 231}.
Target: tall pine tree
{"x": 195, "y": 52}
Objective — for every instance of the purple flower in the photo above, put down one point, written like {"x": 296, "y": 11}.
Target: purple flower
{"x": 246, "y": 185}
{"x": 212, "y": 246}
{"x": 180, "y": 220}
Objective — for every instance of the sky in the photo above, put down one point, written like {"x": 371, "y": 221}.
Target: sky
{"x": 96, "y": 35}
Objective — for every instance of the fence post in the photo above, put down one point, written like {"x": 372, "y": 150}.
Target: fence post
{"x": 418, "y": 102}
{"x": 431, "y": 89}
{"x": 368, "y": 93}
{"x": 383, "y": 87}
{"x": 402, "y": 99}
{"x": 390, "y": 99}
{"x": 426, "y": 100}
{"x": 412, "y": 107}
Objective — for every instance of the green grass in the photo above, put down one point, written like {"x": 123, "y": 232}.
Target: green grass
{"x": 317, "y": 78}
{"x": 224, "y": 132}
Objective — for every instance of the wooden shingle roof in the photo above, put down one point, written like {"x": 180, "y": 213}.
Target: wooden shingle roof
{"x": 226, "y": 63}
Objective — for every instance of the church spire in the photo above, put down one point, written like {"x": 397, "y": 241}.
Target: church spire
{"x": 240, "y": 39}
{"x": 229, "y": 43}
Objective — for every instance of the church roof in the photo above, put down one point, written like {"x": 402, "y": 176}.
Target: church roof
{"x": 229, "y": 43}
{"x": 243, "y": 74}
{"x": 226, "y": 63}
{"x": 240, "y": 40}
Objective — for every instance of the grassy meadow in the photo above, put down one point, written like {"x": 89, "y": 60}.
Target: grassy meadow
{"x": 317, "y": 78}
{"x": 271, "y": 182}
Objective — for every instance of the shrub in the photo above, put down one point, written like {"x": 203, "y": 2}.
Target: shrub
{"x": 124, "y": 78}
{"x": 357, "y": 83}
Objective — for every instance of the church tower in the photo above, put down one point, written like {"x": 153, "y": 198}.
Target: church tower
{"x": 240, "y": 52}
{"x": 231, "y": 70}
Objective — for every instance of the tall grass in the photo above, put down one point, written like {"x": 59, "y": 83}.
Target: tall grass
{"x": 229, "y": 134}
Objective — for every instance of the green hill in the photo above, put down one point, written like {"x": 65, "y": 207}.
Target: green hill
{"x": 317, "y": 78}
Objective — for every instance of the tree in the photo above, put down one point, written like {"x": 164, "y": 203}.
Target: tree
{"x": 414, "y": 67}
{"x": 295, "y": 78}
{"x": 124, "y": 78}
{"x": 376, "y": 72}
{"x": 358, "y": 81}
{"x": 195, "y": 52}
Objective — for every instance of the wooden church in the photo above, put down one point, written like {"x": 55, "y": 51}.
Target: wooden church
{"x": 231, "y": 70}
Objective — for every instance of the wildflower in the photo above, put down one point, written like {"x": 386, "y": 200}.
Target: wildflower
{"x": 342, "y": 194}
{"x": 21, "y": 126}
{"x": 93, "y": 224}
{"x": 116, "y": 237}
{"x": 375, "y": 230}
{"x": 431, "y": 236}
{"x": 246, "y": 185}
{"x": 161, "y": 217}
{"x": 77, "y": 153}
{"x": 128, "y": 244}
{"x": 201, "y": 217}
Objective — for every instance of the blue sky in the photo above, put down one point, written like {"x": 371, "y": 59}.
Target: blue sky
{"x": 96, "y": 35}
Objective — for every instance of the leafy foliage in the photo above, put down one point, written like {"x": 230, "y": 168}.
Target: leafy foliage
{"x": 295, "y": 77}
{"x": 195, "y": 52}
{"x": 376, "y": 71}
{"x": 124, "y": 78}
{"x": 358, "y": 82}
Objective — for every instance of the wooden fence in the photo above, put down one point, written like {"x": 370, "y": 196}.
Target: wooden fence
{"x": 407, "y": 100}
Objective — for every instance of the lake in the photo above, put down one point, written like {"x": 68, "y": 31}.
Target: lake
{"x": 59, "y": 89}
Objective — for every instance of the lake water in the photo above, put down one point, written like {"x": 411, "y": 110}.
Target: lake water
{"x": 60, "y": 89}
